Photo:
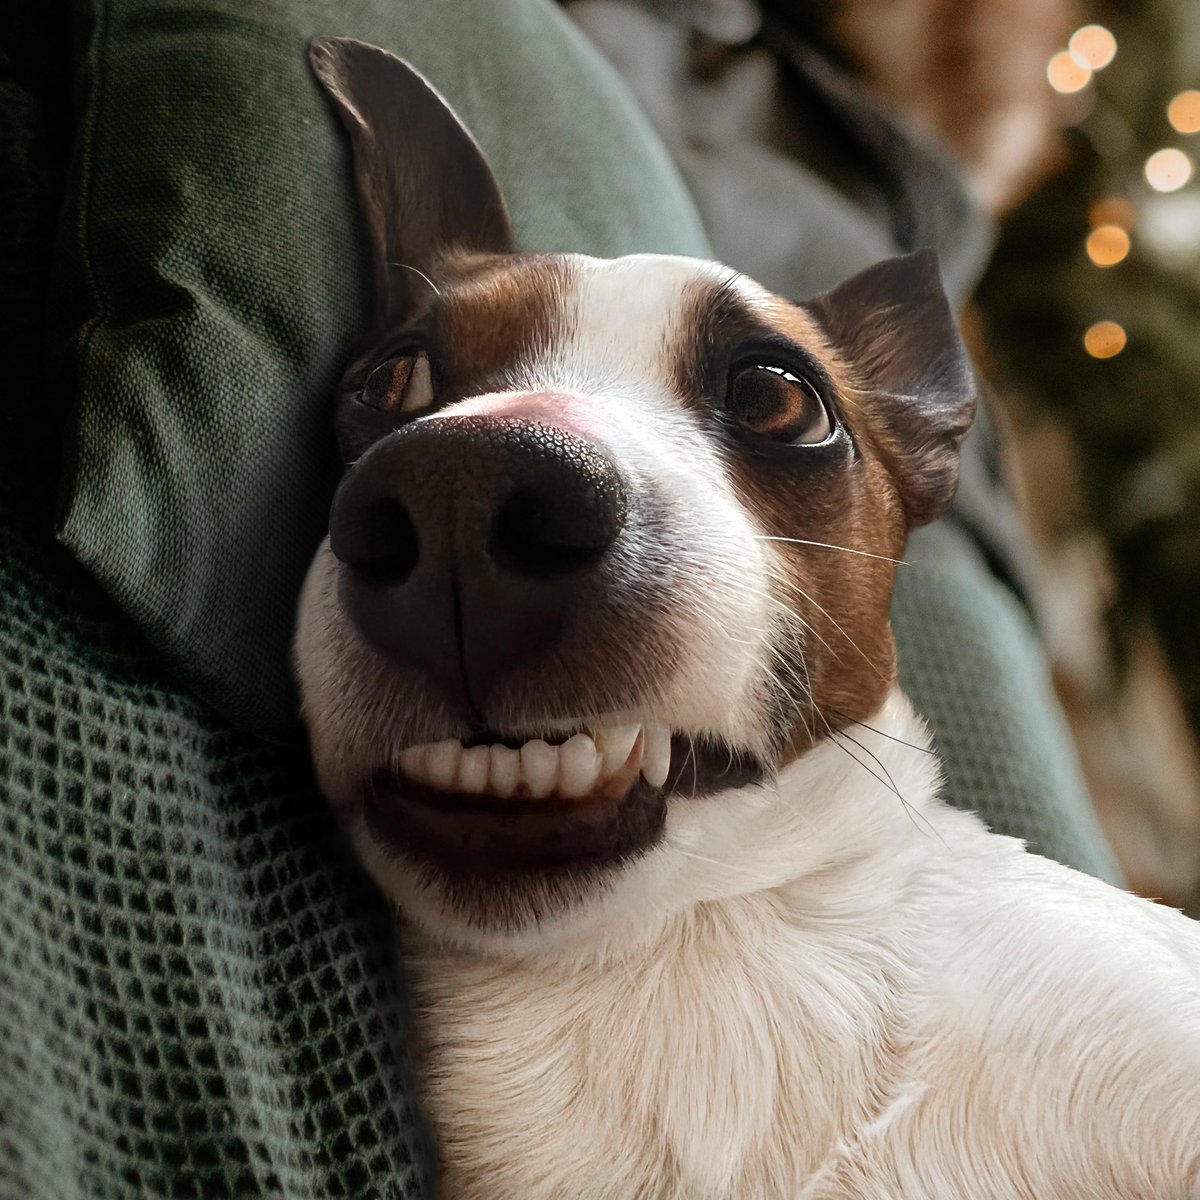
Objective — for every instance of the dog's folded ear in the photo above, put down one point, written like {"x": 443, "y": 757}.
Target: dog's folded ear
{"x": 423, "y": 183}
{"x": 893, "y": 326}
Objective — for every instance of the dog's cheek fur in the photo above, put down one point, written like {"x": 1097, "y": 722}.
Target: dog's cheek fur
{"x": 836, "y": 656}
{"x": 358, "y": 706}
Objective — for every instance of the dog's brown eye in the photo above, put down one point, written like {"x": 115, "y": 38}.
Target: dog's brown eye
{"x": 402, "y": 383}
{"x": 777, "y": 404}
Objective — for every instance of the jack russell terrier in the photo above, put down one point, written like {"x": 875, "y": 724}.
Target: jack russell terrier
{"x": 598, "y": 675}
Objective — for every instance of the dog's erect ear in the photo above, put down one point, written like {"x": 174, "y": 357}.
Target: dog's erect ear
{"x": 893, "y": 325}
{"x": 423, "y": 184}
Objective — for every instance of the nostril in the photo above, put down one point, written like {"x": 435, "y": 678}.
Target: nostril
{"x": 386, "y": 545}
{"x": 541, "y": 534}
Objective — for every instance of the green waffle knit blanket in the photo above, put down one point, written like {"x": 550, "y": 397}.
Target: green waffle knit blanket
{"x": 197, "y": 994}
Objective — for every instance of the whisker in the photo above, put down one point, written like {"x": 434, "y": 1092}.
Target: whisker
{"x": 415, "y": 271}
{"x": 762, "y": 537}
{"x": 874, "y": 757}
{"x": 796, "y": 587}
{"x": 890, "y": 736}
{"x": 913, "y": 813}
{"x": 701, "y": 858}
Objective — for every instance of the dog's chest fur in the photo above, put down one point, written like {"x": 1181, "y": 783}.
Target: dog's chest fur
{"x": 727, "y": 1067}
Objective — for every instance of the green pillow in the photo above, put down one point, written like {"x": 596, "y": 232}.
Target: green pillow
{"x": 216, "y": 277}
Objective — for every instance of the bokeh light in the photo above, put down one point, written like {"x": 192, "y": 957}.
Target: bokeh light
{"x": 1104, "y": 339}
{"x": 1184, "y": 112}
{"x": 1107, "y": 245}
{"x": 1065, "y": 74}
{"x": 1112, "y": 210}
{"x": 1092, "y": 47}
{"x": 1168, "y": 170}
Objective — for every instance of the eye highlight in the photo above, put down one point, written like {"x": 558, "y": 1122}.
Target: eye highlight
{"x": 402, "y": 383}
{"x": 773, "y": 403}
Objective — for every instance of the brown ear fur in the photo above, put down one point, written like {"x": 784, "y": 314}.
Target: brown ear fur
{"x": 893, "y": 327}
{"x": 424, "y": 186}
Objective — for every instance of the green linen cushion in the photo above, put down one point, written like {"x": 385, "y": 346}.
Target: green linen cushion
{"x": 215, "y": 261}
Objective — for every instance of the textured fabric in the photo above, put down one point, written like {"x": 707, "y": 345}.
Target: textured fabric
{"x": 970, "y": 662}
{"x": 197, "y": 996}
{"x": 213, "y": 280}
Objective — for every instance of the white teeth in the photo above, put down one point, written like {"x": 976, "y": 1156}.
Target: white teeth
{"x": 539, "y": 767}
{"x": 615, "y": 744}
{"x": 412, "y": 762}
{"x": 504, "y": 770}
{"x": 656, "y": 755}
{"x": 605, "y": 763}
{"x": 441, "y": 764}
{"x": 473, "y": 769}
{"x": 579, "y": 766}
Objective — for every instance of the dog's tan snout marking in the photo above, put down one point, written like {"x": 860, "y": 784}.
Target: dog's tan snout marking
{"x": 570, "y": 411}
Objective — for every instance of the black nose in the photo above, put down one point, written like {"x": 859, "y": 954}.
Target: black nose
{"x": 467, "y": 541}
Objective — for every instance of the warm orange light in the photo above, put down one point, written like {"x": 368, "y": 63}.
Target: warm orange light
{"x": 1104, "y": 339}
{"x": 1107, "y": 245}
{"x": 1093, "y": 47}
{"x": 1184, "y": 112}
{"x": 1168, "y": 170}
{"x": 1112, "y": 210}
{"x": 1065, "y": 74}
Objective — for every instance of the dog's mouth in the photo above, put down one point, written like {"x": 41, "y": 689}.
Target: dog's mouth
{"x": 502, "y": 804}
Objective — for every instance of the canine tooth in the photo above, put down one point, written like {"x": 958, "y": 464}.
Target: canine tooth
{"x": 539, "y": 767}
{"x": 441, "y": 763}
{"x": 615, "y": 744}
{"x": 616, "y": 785}
{"x": 504, "y": 770}
{"x": 473, "y": 769}
{"x": 656, "y": 757}
{"x": 579, "y": 766}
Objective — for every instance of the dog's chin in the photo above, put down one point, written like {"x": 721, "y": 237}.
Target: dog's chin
{"x": 501, "y": 864}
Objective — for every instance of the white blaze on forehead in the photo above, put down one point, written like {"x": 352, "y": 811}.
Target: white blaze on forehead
{"x": 623, "y": 321}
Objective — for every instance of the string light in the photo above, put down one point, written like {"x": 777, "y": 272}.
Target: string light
{"x": 1110, "y": 219}
{"x": 1065, "y": 74}
{"x": 1107, "y": 245}
{"x": 1184, "y": 112}
{"x": 1092, "y": 47}
{"x": 1168, "y": 170}
{"x": 1105, "y": 339}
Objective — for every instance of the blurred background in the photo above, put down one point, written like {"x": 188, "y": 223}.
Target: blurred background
{"x": 1081, "y": 128}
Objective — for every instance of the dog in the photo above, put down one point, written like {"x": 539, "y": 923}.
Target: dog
{"x": 598, "y": 676}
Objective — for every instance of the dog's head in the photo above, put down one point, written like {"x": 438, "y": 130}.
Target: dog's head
{"x": 615, "y": 538}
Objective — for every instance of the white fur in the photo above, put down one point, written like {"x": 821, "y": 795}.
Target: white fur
{"x": 827, "y": 991}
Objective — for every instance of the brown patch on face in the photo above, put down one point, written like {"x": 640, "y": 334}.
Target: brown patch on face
{"x": 838, "y": 652}
{"x": 477, "y": 316}
{"x": 492, "y": 314}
